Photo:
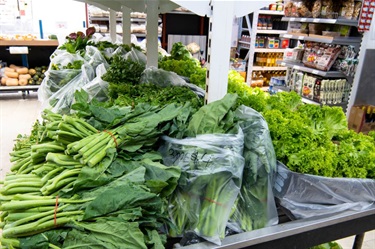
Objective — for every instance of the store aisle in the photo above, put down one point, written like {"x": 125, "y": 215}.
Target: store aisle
{"x": 18, "y": 115}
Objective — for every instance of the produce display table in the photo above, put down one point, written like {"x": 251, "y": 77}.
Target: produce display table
{"x": 24, "y": 89}
{"x": 303, "y": 233}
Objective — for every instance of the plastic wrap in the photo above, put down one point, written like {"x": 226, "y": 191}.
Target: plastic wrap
{"x": 137, "y": 56}
{"x": 255, "y": 207}
{"x": 61, "y": 101}
{"x": 164, "y": 78}
{"x": 94, "y": 57}
{"x": 98, "y": 88}
{"x": 307, "y": 195}
{"x": 58, "y": 75}
{"x": 212, "y": 167}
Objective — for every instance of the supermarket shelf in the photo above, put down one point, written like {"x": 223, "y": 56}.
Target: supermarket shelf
{"x": 306, "y": 100}
{"x": 324, "y": 39}
{"x": 244, "y": 42}
{"x": 271, "y": 31}
{"x": 269, "y": 50}
{"x": 301, "y": 67}
{"x": 271, "y": 12}
{"x": 24, "y": 89}
{"x": 119, "y": 19}
{"x": 340, "y": 21}
{"x": 309, "y": 101}
{"x": 257, "y": 68}
{"x": 136, "y": 34}
{"x": 29, "y": 43}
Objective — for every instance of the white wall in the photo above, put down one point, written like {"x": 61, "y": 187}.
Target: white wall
{"x": 369, "y": 37}
{"x": 368, "y": 42}
{"x": 60, "y": 17}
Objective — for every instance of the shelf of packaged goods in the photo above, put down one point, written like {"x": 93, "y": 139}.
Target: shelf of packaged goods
{"x": 271, "y": 31}
{"x": 29, "y": 43}
{"x": 269, "y": 50}
{"x": 340, "y": 21}
{"x": 324, "y": 39}
{"x": 301, "y": 67}
{"x": 258, "y": 68}
{"x": 307, "y": 100}
{"x": 136, "y": 34}
{"x": 119, "y": 19}
{"x": 271, "y": 12}
{"x": 244, "y": 42}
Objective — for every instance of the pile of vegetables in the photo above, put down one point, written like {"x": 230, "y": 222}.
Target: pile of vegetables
{"x": 97, "y": 175}
{"x": 21, "y": 76}
{"x": 79, "y": 184}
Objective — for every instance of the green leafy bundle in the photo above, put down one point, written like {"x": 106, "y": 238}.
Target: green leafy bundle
{"x": 52, "y": 199}
{"x": 76, "y": 42}
{"x": 182, "y": 63}
{"x": 315, "y": 140}
{"x": 211, "y": 160}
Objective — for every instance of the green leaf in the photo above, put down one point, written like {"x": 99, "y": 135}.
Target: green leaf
{"x": 116, "y": 198}
{"x": 106, "y": 234}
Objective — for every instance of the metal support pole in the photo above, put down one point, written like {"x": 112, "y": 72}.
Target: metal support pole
{"x": 152, "y": 11}
{"x": 112, "y": 25}
{"x": 126, "y": 31}
{"x": 358, "y": 241}
{"x": 219, "y": 41}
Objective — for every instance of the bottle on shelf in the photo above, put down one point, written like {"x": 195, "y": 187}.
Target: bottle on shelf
{"x": 269, "y": 60}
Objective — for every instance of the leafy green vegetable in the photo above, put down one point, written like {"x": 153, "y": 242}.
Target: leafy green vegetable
{"x": 180, "y": 52}
{"x": 216, "y": 117}
{"x": 123, "y": 71}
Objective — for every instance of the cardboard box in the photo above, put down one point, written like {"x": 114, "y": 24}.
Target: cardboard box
{"x": 357, "y": 120}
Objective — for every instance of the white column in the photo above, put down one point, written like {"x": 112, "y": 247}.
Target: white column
{"x": 219, "y": 41}
{"x": 152, "y": 32}
{"x": 126, "y": 22}
{"x": 112, "y": 25}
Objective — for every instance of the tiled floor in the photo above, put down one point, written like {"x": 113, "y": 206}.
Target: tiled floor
{"x": 17, "y": 116}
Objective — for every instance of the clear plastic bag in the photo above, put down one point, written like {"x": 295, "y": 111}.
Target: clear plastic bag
{"x": 307, "y": 195}
{"x": 255, "y": 206}
{"x": 212, "y": 167}
{"x": 137, "y": 56}
{"x": 61, "y": 100}
{"x": 164, "y": 78}
{"x": 58, "y": 75}
{"x": 98, "y": 88}
{"x": 94, "y": 57}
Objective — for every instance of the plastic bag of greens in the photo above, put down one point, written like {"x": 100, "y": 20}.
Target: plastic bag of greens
{"x": 98, "y": 88}
{"x": 137, "y": 56}
{"x": 63, "y": 68}
{"x": 61, "y": 101}
{"x": 255, "y": 207}
{"x": 164, "y": 78}
{"x": 212, "y": 167}
{"x": 94, "y": 57}
{"x": 305, "y": 195}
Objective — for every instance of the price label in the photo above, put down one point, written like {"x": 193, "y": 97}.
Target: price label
{"x": 315, "y": 72}
{"x": 18, "y": 50}
{"x": 301, "y": 37}
{"x": 316, "y": 20}
{"x": 303, "y": 19}
{"x": 297, "y": 67}
{"x": 292, "y": 19}
{"x": 282, "y": 64}
{"x": 287, "y": 36}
